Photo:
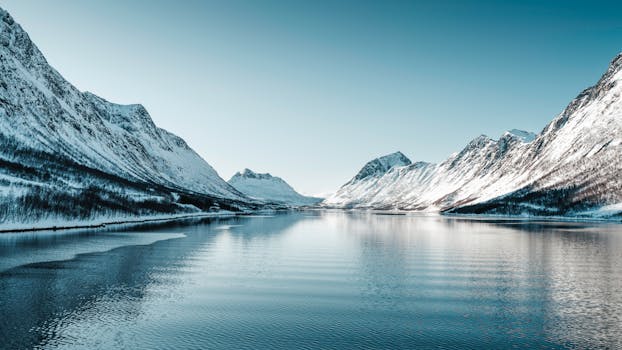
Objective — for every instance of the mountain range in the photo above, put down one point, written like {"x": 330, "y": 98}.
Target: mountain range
{"x": 573, "y": 167}
{"x": 70, "y": 156}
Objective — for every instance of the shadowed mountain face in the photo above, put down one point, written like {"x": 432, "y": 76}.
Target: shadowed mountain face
{"x": 67, "y": 154}
{"x": 572, "y": 167}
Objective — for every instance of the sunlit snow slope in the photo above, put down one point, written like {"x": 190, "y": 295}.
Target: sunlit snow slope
{"x": 572, "y": 167}
{"x": 67, "y": 154}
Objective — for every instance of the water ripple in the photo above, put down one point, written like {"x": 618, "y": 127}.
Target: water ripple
{"x": 327, "y": 281}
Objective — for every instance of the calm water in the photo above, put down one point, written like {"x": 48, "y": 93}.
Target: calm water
{"x": 314, "y": 280}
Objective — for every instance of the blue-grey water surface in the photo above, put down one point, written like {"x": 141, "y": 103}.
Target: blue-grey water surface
{"x": 315, "y": 280}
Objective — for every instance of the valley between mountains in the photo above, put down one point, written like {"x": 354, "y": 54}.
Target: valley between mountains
{"x": 69, "y": 156}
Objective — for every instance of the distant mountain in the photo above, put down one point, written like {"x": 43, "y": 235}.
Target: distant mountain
{"x": 572, "y": 167}
{"x": 268, "y": 188}
{"x": 67, "y": 154}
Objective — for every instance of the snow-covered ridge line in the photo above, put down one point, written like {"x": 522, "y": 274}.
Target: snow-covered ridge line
{"x": 71, "y": 155}
{"x": 572, "y": 167}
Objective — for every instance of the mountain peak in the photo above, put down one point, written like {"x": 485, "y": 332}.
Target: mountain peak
{"x": 479, "y": 141}
{"x": 6, "y": 17}
{"x": 522, "y": 135}
{"x": 382, "y": 165}
{"x": 396, "y": 157}
{"x": 15, "y": 40}
{"x": 607, "y": 81}
{"x": 249, "y": 174}
{"x": 616, "y": 63}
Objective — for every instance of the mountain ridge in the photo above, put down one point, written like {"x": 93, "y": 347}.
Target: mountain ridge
{"x": 70, "y": 155}
{"x": 570, "y": 168}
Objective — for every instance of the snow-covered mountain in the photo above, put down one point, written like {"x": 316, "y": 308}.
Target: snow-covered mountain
{"x": 572, "y": 167}
{"x": 268, "y": 188}
{"x": 67, "y": 154}
{"x": 379, "y": 166}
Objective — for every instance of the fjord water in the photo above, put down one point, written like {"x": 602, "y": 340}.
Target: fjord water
{"x": 316, "y": 280}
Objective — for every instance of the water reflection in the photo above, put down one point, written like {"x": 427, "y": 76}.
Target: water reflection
{"x": 318, "y": 280}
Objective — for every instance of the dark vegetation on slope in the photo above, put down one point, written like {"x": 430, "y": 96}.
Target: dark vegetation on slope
{"x": 545, "y": 202}
{"x": 53, "y": 186}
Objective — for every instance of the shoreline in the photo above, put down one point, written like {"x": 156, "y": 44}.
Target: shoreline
{"x": 526, "y": 218}
{"x": 480, "y": 217}
{"x": 98, "y": 223}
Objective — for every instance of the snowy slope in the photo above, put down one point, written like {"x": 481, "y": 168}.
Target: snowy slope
{"x": 268, "y": 188}
{"x": 572, "y": 167}
{"x": 69, "y": 153}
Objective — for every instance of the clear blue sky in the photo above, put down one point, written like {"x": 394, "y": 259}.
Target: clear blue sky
{"x": 311, "y": 90}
